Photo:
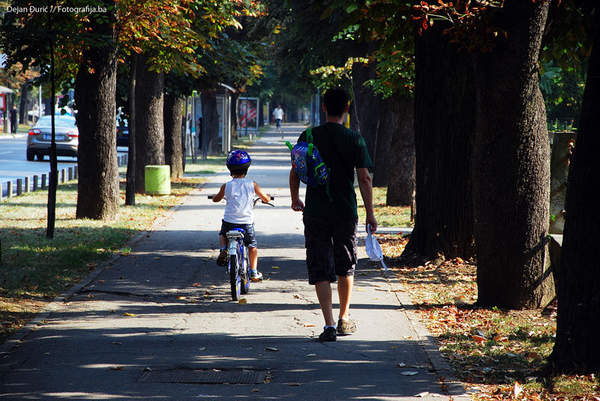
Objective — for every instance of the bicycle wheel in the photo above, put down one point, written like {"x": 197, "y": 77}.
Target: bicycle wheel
{"x": 245, "y": 273}
{"x": 234, "y": 277}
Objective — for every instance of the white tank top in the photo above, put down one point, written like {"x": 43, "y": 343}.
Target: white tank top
{"x": 239, "y": 194}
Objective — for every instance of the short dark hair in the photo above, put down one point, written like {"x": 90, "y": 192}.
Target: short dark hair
{"x": 239, "y": 170}
{"x": 336, "y": 100}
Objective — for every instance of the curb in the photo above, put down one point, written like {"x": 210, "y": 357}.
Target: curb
{"x": 430, "y": 347}
{"x": 19, "y": 336}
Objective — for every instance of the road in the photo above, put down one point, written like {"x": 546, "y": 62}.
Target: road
{"x": 13, "y": 164}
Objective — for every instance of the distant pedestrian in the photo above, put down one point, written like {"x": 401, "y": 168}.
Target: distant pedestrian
{"x": 13, "y": 120}
{"x": 330, "y": 223}
{"x": 278, "y": 117}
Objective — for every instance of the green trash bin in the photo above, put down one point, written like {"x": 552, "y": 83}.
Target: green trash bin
{"x": 158, "y": 180}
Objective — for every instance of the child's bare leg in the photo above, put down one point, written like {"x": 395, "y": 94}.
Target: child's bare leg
{"x": 222, "y": 242}
{"x": 253, "y": 255}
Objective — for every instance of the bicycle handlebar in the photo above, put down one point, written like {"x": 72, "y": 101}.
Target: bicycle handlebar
{"x": 255, "y": 200}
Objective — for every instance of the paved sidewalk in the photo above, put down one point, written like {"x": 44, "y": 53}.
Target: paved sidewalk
{"x": 159, "y": 324}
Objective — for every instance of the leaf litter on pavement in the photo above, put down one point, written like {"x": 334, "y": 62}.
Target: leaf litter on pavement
{"x": 496, "y": 353}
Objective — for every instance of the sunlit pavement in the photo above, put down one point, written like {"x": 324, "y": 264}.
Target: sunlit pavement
{"x": 159, "y": 323}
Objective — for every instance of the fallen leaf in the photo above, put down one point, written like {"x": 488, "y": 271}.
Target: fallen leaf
{"x": 478, "y": 339}
{"x": 129, "y": 314}
{"x": 197, "y": 285}
{"x": 409, "y": 373}
{"x": 309, "y": 325}
{"x": 275, "y": 267}
{"x": 181, "y": 298}
{"x": 242, "y": 301}
{"x": 517, "y": 389}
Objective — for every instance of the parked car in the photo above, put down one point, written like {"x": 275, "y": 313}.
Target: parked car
{"x": 122, "y": 132}
{"x": 40, "y": 137}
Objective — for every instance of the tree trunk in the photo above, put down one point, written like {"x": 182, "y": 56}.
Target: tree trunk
{"x": 25, "y": 89}
{"x": 131, "y": 157}
{"x": 95, "y": 90}
{"x": 401, "y": 165}
{"x": 577, "y": 348}
{"x": 385, "y": 132}
{"x": 173, "y": 149}
{"x": 150, "y": 138}
{"x": 367, "y": 105}
{"x": 210, "y": 121}
{"x": 511, "y": 167}
{"x": 234, "y": 117}
{"x": 444, "y": 105}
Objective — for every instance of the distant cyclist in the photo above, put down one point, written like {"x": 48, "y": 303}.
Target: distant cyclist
{"x": 278, "y": 116}
{"x": 240, "y": 193}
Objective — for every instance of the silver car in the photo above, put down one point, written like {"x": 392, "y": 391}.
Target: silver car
{"x": 40, "y": 136}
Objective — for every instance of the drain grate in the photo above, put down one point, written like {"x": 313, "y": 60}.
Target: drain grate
{"x": 204, "y": 376}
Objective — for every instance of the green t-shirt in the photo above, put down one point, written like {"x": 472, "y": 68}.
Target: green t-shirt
{"x": 343, "y": 151}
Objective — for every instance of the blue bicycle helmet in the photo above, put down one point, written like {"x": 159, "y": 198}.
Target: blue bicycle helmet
{"x": 238, "y": 160}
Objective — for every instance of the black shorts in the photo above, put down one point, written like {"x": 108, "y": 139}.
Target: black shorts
{"x": 278, "y": 121}
{"x": 249, "y": 236}
{"x": 330, "y": 248}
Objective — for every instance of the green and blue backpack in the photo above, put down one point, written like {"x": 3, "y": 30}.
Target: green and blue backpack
{"x": 307, "y": 163}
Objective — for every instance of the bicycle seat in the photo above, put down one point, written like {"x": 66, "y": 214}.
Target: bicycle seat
{"x": 236, "y": 233}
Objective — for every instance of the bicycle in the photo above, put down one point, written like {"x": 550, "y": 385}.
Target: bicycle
{"x": 238, "y": 265}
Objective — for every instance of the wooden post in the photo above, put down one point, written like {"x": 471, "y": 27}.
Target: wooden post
{"x": 35, "y": 183}
{"x": 9, "y": 189}
{"x": 44, "y": 181}
{"x": 19, "y": 186}
{"x": 27, "y": 184}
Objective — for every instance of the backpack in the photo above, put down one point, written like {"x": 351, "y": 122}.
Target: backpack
{"x": 307, "y": 163}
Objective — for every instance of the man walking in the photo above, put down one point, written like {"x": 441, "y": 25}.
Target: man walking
{"x": 13, "y": 120}
{"x": 278, "y": 116}
{"x": 330, "y": 220}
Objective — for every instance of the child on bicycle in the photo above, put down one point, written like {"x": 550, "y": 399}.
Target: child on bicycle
{"x": 240, "y": 193}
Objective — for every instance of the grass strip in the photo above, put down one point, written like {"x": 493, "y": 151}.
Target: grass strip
{"x": 498, "y": 353}
{"x": 387, "y": 216}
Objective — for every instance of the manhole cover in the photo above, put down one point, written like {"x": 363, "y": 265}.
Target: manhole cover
{"x": 204, "y": 376}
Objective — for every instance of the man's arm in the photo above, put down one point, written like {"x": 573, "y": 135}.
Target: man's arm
{"x": 366, "y": 191}
{"x": 297, "y": 204}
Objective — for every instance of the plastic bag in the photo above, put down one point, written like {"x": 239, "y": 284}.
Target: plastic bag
{"x": 373, "y": 249}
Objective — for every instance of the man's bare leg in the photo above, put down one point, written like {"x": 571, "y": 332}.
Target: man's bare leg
{"x": 344, "y": 288}
{"x": 323, "y": 289}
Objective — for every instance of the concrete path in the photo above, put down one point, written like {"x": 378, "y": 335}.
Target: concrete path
{"x": 159, "y": 324}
